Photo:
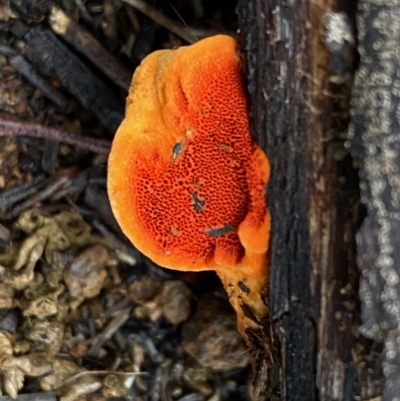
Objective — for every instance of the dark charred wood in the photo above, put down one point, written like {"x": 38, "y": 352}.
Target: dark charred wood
{"x": 53, "y": 58}
{"x": 300, "y": 59}
{"x": 49, "y": 158}
{"x": 25, "y": 69}
{"x": 89, "y": 46}
{"x": 23, "y": 191}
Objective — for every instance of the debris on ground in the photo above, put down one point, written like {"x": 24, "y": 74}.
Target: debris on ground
{"x": 83, "y": 315}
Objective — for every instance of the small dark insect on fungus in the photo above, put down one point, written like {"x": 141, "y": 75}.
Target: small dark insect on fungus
{"x": 186, "y": 179}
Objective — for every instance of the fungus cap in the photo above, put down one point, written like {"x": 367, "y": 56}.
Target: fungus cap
{"x": 185, "y": 179}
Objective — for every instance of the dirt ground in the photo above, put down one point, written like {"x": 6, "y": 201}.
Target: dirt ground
{"x": 83, "y": 315}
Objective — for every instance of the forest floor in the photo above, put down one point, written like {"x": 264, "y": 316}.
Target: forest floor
{"x": 83, "y": 315}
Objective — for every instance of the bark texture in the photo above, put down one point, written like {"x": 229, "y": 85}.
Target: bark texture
{"x": 375, "y": 140}
{"x": 301, "y": 57}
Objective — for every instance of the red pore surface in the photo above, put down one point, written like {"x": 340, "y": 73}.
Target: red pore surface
{"x": 184, "y": 171}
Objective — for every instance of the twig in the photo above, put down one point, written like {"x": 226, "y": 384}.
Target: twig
{"x": 84, "y": 12}
{"x": 155, "y": 355}
{"x": 90, "y": 47}
{"x": 161, "y": 19}
{"x": 48, "y": 52}
{"x": 113, "y": 326}
{"x": 77, "y": 185}
{"x": 16, "y": 128}
{"x": 20, "y": 192}
{"x": 26, "y": 69}
{"x": 73, "y": 378}
{"x": 128, "y": 250}
{"x": 49, "y": 396}
{"x": 4, "y": 235}
{"x": 7, "y": 50}
{"x": 42, "y": 195}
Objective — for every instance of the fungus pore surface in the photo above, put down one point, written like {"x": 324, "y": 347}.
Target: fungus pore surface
{"x": 186, "y": 180}
{"x": 184, "y": 171}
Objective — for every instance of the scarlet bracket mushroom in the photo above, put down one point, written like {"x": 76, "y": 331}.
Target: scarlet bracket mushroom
{"x": 186, "y": 180}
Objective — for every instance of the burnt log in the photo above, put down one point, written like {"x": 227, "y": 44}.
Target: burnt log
{"x": 301, "y": 59}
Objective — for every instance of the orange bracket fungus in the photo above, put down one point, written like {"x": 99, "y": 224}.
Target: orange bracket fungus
{"x": 186, "y": 180}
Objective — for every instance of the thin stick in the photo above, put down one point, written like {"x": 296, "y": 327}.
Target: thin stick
{"x": 27, "y": 70}
{"x": 17, "y": 128}
{"x": 48, "y": 396}
{"x": 20, "y": 192}
{"x": 40, "y": 196}
{"x": 161, "y": 19}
